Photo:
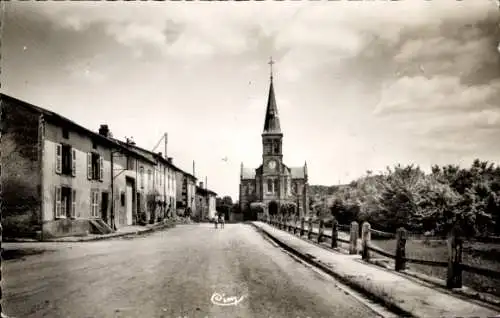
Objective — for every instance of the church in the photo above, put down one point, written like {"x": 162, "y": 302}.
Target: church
{"x": 273, "y": 183}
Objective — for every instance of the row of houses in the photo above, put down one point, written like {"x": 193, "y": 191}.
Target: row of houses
{"x": 61, "y": 179}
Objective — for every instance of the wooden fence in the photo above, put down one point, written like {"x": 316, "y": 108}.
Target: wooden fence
{"x": 455, "y": 246}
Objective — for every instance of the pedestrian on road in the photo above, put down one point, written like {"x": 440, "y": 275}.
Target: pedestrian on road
{"x": 215, "y": 222}
{"x": 221, "y": 221}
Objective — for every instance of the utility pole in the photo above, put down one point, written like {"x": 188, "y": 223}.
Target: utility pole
{"x": 165, "y": 136}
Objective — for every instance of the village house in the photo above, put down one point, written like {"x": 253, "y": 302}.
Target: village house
{"x": 161, "y": 185}
{"x": 59, "y": 178}
{"x": 205, "y": 203}
{"x": 186, "y": 193}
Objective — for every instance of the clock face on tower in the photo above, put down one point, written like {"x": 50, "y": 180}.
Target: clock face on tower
{"x": 271, "y": 164}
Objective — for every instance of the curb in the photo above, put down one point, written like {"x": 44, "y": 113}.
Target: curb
{"x": 357, "y": 287}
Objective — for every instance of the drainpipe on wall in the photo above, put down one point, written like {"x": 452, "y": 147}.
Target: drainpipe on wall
{"x": 41, "y": 136}
{"x": 112, "y": 212}
{"x": 165, "y": 189}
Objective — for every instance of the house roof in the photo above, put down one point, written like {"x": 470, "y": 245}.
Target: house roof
{"x": 57, "y": 119}
{"x": 297, "y": 172}
{"x": 248, "y": 173}
{"x": 149, "y": 154}
{"x": 204, "y": 191}
{"x": 187, "y": 174}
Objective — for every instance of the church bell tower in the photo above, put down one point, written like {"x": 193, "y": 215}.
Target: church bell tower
{"x": 272, "y": 141}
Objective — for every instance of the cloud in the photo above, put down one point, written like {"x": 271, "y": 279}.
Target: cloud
{"x": 420, "y": 94}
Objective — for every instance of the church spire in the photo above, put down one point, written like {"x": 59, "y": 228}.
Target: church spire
{"x": 272, "y": 121}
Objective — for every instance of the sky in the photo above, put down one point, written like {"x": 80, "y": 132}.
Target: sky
{"x": 359, "y": 85}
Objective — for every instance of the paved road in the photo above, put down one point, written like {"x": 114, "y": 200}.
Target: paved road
{"x": 174, "y": 273}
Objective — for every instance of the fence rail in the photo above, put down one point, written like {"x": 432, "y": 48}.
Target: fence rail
{"x": 455, "y": 246}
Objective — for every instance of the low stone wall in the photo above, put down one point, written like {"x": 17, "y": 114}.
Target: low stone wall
{"x": 65, "y": 227}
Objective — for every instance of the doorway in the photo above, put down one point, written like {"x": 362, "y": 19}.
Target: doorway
{"x": 273, "y": 208}
{"x": 104, "y": 206}
{"x": 129, "y": 204}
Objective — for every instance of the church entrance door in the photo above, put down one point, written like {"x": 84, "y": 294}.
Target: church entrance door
{"x": 273, "y": 208}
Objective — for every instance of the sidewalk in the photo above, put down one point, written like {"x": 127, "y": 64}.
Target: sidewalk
{"x": 407, "y": 297}
{"x": 124, "y": 231}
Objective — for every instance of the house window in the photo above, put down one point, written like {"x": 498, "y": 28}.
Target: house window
{"x": 150, "y": 178}
{"x": 95, "y": 166}
{"x": 141, "y": 174}
{"x": 130, "y": 164}
{"x": 122, "y": 198}
{"x": 65, "y": 133}
{"x": 65, "y": 160}
{"x": 94, "y": 144}
{"x": 65, "y": 206}
{"x": 94, "y": 203}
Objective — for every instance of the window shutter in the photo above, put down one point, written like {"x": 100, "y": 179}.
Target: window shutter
{"x": 73, "y": 162}
{"x": 58, "y": 158}
{"x": 89, "y": 165}
{"x": 97, "y": 203}
{"x": 73, "y": 203}
{"x": 93, "y": 205}
{"x": 58, "y": 202}
{"x": 101, "y": 168}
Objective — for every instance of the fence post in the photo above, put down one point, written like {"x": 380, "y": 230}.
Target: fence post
{"x": 335, "y": 233}
{"x": 400, "y": 261}
{"x": 302, "y": 221}
{"x": 321, "y": 231}
{"x": 309, "y": 232}
{"x": 353, "y": 247}
{"x": 455, "y": 244}
{"x": 365, "y": 241}
{"x": 294, "y": 224}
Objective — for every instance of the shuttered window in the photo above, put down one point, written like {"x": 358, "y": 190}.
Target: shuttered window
{"x": 73, "y": 203}
{"x": 73, "y": 162}
{"x": 94, "y": 203}
{"x": 58, "y": 206}
{"x": 58, "y": 158}
{"x": 89, "y": 165}
{"x": 101, "y": 168}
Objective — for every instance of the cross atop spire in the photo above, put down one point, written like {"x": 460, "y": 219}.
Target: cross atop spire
{"x": 271, "y": 62}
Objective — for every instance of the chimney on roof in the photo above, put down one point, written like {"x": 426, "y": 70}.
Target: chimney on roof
{"x": 130, "y": 141}
{"x": 104, "y": 131}
{"x": 170, "y": 160}
{"x": 201, "y": 184}
{"x": 160, "y": 154}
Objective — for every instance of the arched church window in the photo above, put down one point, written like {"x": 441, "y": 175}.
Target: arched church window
{"x": 269, "y": 185}
{"x": 276, "y": 148}
{"x": 276, "y": 185}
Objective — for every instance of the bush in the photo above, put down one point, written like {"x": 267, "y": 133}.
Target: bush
{"x": 406, "y": 196}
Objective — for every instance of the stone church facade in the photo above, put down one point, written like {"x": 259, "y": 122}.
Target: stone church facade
{"x": 273, "y": 182}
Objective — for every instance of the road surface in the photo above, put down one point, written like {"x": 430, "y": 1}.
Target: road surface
{"x": 187, "y": 271}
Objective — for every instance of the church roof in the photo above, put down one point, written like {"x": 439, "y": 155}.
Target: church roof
{"x": 248, "y": 173}
{"x": 272, "y": 121}
{"x": 297, "y": 172}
